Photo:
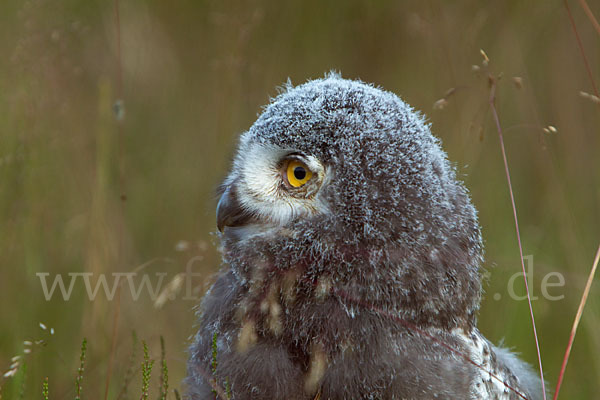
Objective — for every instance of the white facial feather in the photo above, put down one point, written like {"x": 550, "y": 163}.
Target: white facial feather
{"x": 260, "y": 189}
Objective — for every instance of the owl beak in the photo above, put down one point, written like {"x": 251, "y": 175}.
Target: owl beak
{"x": 229, "y": 211}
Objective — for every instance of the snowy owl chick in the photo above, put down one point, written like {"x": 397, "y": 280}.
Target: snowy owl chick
{"x": 351, "y": 257}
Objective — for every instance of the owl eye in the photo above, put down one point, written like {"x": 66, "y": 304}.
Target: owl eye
{"x": 297, "y": 173}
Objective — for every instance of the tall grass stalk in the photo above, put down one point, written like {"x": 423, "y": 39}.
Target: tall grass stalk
{"x": 492, "y": 102}
{"x": 581, "y": 48}
{"x": 584, "y": 297}
{"x": 119, "y": 255}
{"x": 590, "y": 15}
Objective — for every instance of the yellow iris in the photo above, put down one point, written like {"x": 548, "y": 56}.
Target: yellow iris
{"x": 297, "y": 173}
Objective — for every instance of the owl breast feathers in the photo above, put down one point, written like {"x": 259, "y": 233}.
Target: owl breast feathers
{"x": 351, "y": 257}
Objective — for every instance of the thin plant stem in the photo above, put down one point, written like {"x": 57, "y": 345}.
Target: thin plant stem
{"x": 113, "y": 344}
{"x": 590, "y": 15}
{"x": 492, "y": 101}
{"x": 584, "y": 297}
{"x": 121, "y": 195}
{"x": 581, "y": 49}
{"x": 130, "y": 369}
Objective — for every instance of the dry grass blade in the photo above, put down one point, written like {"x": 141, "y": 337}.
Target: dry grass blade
{"x": 318, "y": 395}
{"x": 115, "y": 329}
{"x": 584, "y": 297}
{"x": 581, "y": 49}
{"x": 590, "y": 15}
{"x": 113, "y": 342}
{"x": 492, "y": 101}
{"x": 130, "y": 369}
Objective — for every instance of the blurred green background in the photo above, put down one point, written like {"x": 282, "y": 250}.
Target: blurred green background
{"x": 83, "y": 192}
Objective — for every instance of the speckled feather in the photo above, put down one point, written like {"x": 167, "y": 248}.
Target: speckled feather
{"x": 369, "y": 289}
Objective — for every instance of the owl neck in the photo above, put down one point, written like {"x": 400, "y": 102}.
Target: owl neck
{"x": 437, "y": 287}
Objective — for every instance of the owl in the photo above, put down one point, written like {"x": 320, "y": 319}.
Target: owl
{"x": 351, "y": 257}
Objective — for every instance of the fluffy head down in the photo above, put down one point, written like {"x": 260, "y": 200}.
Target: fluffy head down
{"x": 383, "y": 214}
{"x": 353, "y": 256}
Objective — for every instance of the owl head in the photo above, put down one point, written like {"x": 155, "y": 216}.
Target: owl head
{"x": 347, "y": 180}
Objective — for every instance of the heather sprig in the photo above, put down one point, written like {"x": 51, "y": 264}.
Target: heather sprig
{"x": 147, "y": 365}
{"x": 45, "y": 389}
{"x": 81, "y": 368}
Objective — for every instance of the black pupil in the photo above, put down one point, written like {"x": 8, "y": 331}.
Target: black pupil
{"x": 299, "y": 173}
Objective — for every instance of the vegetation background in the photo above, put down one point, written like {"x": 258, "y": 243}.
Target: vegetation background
{"x": 85, "y": 190}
